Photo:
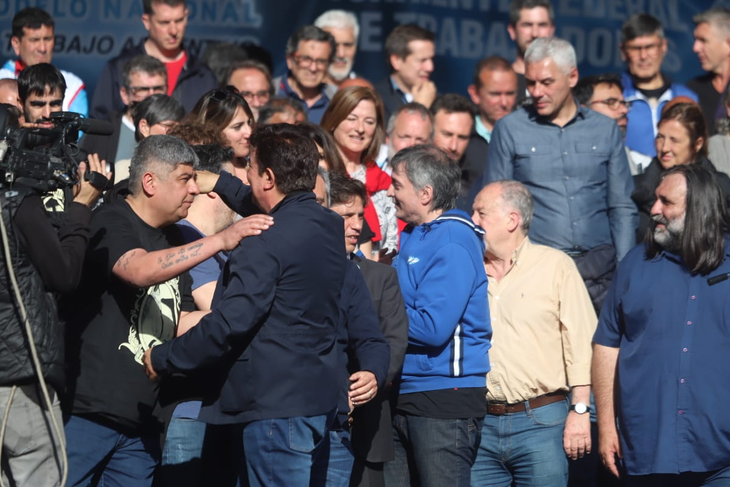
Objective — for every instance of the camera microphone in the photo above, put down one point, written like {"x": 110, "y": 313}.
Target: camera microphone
{"x": 92, "y": 126}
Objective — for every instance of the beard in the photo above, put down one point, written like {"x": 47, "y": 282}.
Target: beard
{"x": 340, "y": 74}
{"x": 669, "y": 237}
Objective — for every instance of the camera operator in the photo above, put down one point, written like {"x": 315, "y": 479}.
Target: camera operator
{"x": 45, "y": 260}
{"x": 40, "y": 89}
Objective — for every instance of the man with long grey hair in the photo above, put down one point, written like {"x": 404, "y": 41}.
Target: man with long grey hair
{"x": 573, "y": 161}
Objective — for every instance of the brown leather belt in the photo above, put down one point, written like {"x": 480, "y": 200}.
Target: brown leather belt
{"x": 498, "y": 409}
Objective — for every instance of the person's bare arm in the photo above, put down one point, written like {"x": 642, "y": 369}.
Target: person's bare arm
{"x": 142, "y": 269}
{"x": 188, "y": 320}
{"x": 203, "y": 296}
{"x": 605, "y": 361}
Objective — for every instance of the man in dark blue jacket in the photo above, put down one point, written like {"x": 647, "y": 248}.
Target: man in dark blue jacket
{"x": 273, "y": 327}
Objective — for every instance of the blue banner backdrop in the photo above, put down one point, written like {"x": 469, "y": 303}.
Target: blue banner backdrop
{"x": 89, "y": 32}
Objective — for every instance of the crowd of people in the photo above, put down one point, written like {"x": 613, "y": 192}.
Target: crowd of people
{"x": 530, "y": 291}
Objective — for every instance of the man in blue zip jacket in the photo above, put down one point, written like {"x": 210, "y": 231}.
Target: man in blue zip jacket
{"x": 273, "y": 328}
{"x": 442, "y": 400}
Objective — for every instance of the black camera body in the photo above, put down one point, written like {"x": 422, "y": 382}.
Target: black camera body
{"x": 44, "y": 159}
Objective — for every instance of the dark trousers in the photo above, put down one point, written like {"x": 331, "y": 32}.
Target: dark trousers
{"x": 596, "y": 267}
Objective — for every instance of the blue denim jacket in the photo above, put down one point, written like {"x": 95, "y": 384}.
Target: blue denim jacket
{"x": 578, "y": 175}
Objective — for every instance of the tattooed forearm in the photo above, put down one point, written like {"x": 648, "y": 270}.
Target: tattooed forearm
{"x": 195, "y": 249}
{"x": 181, "y": 256}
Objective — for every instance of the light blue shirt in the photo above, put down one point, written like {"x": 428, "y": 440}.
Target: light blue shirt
{"x": 578, "y": 175}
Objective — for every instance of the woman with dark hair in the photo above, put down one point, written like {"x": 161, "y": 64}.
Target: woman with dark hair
{"x": 156, "y": 115}
{"x": 355, "y": 118}
{"x": 331, "y": 160}
{"x": 226, "y": 110}
{"x": 681, "y": 139}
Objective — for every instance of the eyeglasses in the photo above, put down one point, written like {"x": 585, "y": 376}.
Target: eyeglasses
{"x": 143, "y": 90}
{"x": 614, "y": 103}
{"x": 262, "y": 95}
{"x": 306, "y": 61}
{"x": 648, "y": 48}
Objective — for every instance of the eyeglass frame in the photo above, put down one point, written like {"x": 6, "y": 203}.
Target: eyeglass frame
{"x": 305, "y": 61}
{"x": 613, "y": 103}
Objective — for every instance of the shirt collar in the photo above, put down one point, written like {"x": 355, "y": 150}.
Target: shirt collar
{"x": 287, "y": 89}
{"x": 579, "y": 113}
{"x": 482, "y": 129}
{"x": 408, "y": 97}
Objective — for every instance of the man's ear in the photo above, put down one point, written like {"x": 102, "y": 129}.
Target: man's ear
{"x": 511, "y": 31}
{"x": 396, "y": 61}
{"x": 269, "y": 179}
{"x": 425, "y": 196}
{"x": 149, "y": 184}
{"x": 124, "y": 96}
{"x": 15, "y": 42}
{"x": 473, "y": 94}
{"x": 514, "y": 221}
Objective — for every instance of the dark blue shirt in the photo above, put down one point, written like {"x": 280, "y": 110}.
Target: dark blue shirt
{"x": 673, "y": 332}
{"x": 314, "y": 112}
{"x": 578, "y": 175}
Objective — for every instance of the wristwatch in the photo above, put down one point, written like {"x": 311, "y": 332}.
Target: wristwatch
{"x": 580, "y": 408}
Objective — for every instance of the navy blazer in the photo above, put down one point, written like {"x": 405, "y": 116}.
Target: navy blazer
{"x": 274, "y": 321}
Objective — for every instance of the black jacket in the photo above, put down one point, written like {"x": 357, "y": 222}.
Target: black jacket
{"x": 195, "y": 80}
{"x": 60, "y": 265}
{"x": 274, "y": 321}
{"x": 360, "y": 340}
{"x": 645, "y": 184}
{"x": 472, "y": 171}
{"x": 372, "y": 436}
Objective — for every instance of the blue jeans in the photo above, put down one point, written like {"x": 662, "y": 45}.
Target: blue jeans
{"x": 280, "y": 452}
{"x": 182, "y": 455}
{"x": 523, "y": 449}
{"x": 101, "y": 455}
{"x": 184, "y": 441}
{"x": 433, "y": 452}
{"x": 334, "y": 460}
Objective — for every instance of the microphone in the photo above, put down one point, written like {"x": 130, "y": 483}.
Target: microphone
{"x": 718, "y": 279}
{"x": 93, "y": 126}
{"x": 87, "y": 125}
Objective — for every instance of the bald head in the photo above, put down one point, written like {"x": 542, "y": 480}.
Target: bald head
{"x": 356, "y": 82}
{"x": 9, "y": 92}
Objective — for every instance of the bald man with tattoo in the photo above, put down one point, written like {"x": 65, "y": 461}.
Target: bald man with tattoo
{"x": 135, "y": 294}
